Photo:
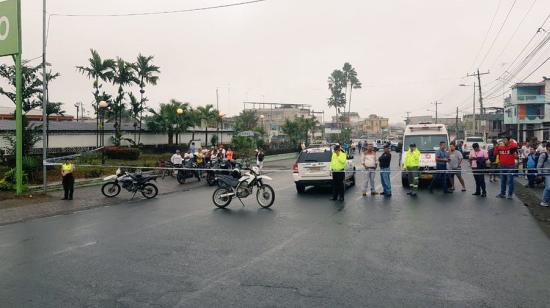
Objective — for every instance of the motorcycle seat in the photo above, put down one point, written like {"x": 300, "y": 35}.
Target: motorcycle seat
{"x": 228, "y": 180}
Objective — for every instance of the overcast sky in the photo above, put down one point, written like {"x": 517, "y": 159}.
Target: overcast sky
{"x": 407, "y": 53}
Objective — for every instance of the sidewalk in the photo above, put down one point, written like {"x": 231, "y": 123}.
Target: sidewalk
{"x": 87, "y": 197}
{"x": 531, "y": 197}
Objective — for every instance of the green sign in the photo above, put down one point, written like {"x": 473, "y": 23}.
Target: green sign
{"x": 9, "y": 27}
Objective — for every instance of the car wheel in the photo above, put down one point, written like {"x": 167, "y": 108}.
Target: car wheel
{"x": 300, "y": 188}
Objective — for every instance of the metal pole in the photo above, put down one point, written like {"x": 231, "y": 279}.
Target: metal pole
{"x": 475, "y": 125}
{"x": 44, "y": 101}
{"x": 19, "y": 111}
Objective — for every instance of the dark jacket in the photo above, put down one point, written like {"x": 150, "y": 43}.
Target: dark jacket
{"x": 385, "y": 160}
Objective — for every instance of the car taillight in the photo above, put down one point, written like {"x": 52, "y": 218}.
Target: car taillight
{"x": 295, "y": 168}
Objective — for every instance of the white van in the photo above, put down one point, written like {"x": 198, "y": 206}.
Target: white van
{"x": 427, "y": 138}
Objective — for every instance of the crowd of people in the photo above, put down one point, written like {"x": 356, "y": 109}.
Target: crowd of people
{"x": 203, "y": 156}
{"x": 502, "y": 161}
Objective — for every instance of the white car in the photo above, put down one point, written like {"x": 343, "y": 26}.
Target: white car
{"x": 312, "y": 168}
{"x": 467, "y": 146}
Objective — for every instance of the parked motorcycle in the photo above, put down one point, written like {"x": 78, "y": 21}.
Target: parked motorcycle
{"x": 132, "y": 182}
{"x": 221, "y": 167}
{"x": 241, "y": 188}
{"x": 184, "y": 174}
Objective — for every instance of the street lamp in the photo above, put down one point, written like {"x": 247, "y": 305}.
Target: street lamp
{"x": 102, "y": 107}
{"x": 474, "y": 104}
{"x": 179, "y": 112}
{"x": 221, "y": 114}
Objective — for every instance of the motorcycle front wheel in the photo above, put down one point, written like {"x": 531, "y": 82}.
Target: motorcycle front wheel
{"x": 265, "y": 196}
{"x": 149, "y": 190}
{"x": 211, "y": 178}
{"x": 110, "y": 189}
{"x": 181, "y": 177}
{"x": 218, "y": 198}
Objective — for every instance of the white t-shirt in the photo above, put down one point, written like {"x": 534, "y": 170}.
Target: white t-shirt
{"x": 176, "y": 159}
{"x": 369, "y": 160}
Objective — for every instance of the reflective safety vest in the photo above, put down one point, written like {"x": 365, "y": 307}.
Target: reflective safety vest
{"x": 338, "y": 162}
{"x": 67, "y": 167}
{"x": 229, "y": 155}
{"x": 412, "y": 159}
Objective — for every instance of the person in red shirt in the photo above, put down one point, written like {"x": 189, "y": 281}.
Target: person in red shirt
{"x": 507, "y": 154}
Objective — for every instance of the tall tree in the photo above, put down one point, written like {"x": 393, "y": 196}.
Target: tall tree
{"x": 167, "y": 120}
{"x": 123, "y": 75}
{"x": 247, "y": 120}
{"x": 336, "y": 84}
{"x": 99, "y": 70}
{"x": 208, "y": 115}
{"x": 350, "y": 76}
{"x": 146, "y": 74}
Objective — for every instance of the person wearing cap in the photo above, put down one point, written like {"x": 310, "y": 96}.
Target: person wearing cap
{"x": 441, "y": 160}
{"x": 506, "y": 155}
{"x": 543, "y": 169}
{"x": 176, "y": 159}
{"x": 67, "y": 169}
{"x": 368, "y": 160}
{"x": 411, "y": 162}
{"x": 385, "y": 161}
{"x": 337, "y": 166}
{"x": 478, "y": 161}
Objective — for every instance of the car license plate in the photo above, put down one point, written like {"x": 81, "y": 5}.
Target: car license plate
{"x": 315, "y": 169}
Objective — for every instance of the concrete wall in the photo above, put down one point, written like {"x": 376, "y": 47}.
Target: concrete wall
{"x": 62, "y": 140}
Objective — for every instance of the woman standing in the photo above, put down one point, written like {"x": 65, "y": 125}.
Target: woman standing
{"x": 455, "y": 162}
{"x": 478, "y": 161}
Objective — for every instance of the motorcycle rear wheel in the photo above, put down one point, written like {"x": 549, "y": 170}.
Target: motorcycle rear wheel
{"x": 211, "y": 178}
{"x": 149, "y": 190}
{"x": 110, "y": 189}
{"x": 180, "y": 177}
{"x": 220, "y": 201}
{"x": 265, "y": 196}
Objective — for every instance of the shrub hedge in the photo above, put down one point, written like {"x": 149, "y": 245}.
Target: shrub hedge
{"x": 126, "y": 153}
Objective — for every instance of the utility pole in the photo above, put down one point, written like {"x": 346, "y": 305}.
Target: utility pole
{"x": 456, "y": 123}
{"x": 44, "y": 101}
{"x": 77, "y": 110}
{"x": 436, "y": 104}
{"x": 407, "y": 120}
{"x": 481, "y": 109}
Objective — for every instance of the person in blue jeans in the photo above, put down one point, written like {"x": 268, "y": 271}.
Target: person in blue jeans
{"x": 506, "y": 154}
{"x": 441, "y": 159}
{"x": 543, "y": 168}
{"x": 385, "y": 161}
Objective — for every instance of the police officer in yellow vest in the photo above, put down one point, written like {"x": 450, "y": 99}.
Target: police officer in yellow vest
{"x": 337, "y": 166}
{"x": 67, "y": 169}
{"x": 411, "y": 162}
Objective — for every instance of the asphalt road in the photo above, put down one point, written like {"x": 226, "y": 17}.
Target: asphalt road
{"x": 179, "y": 250}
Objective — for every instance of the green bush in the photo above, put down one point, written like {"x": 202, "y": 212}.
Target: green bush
{"x": 90, "y": 172}
{"x": 8, "y": 182}
{"x": 125, "y": 153}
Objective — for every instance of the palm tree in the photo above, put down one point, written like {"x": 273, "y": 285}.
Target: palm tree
{"x": 146, "y": 75}
{"x": 98, "y": 70}
{"x": 307, "y": 125}
{"x": 350, "y": 76}
{"x": 166, "y": 119}
{"x": 209, "y": 115}
{"x": 136, "y": 110}
{"x": 336, "y": 83}
{"x": 123, "y": 75}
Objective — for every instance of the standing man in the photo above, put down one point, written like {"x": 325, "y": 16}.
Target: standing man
{"x": 478, "y": 162}
{"x": 506, "y": 155}
{"x": 229, "y": 154}
{"x": 337, "y": 166}
{"x": 543, "y": 167}
{"x": 441, "y": 160}
{"x": 455, "y": 163}
{"x": 369, "y": 163}
{"x": 67, "y": 169}
{"x": 176, "y": 159}
{"x": 411, "y": 162}
{"x": 531, "y": 167}
{"x": 260, "y": 158}
{"x": 385, "y": 161}
{"x": 494, "y": 162}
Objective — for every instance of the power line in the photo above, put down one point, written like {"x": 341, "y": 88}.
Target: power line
{"x": 498, "y": 33}
{"x": 515, "y": 32}
{"x": 488, "y": 31}
{"x": 160, "y": 12}
{"x": 536, "y": 69}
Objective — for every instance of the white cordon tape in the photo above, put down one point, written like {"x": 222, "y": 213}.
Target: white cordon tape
{"x": 514, "y": 172}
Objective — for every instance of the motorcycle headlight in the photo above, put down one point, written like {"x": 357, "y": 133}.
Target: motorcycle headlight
{"x": 256, "y": 169}
{"x": 118, "y": 171}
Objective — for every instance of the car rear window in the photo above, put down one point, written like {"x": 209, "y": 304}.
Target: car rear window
{"x": 474, "y": 139}
{"x": 315, "y": 157}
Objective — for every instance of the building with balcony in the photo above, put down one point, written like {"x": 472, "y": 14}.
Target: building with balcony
{"x": 527, "y": 111}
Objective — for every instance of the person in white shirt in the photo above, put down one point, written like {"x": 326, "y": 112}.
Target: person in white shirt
{"x": 188, "y": 155}
{"x": 176, "y": 159}
{"x": 368, "y": 160}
